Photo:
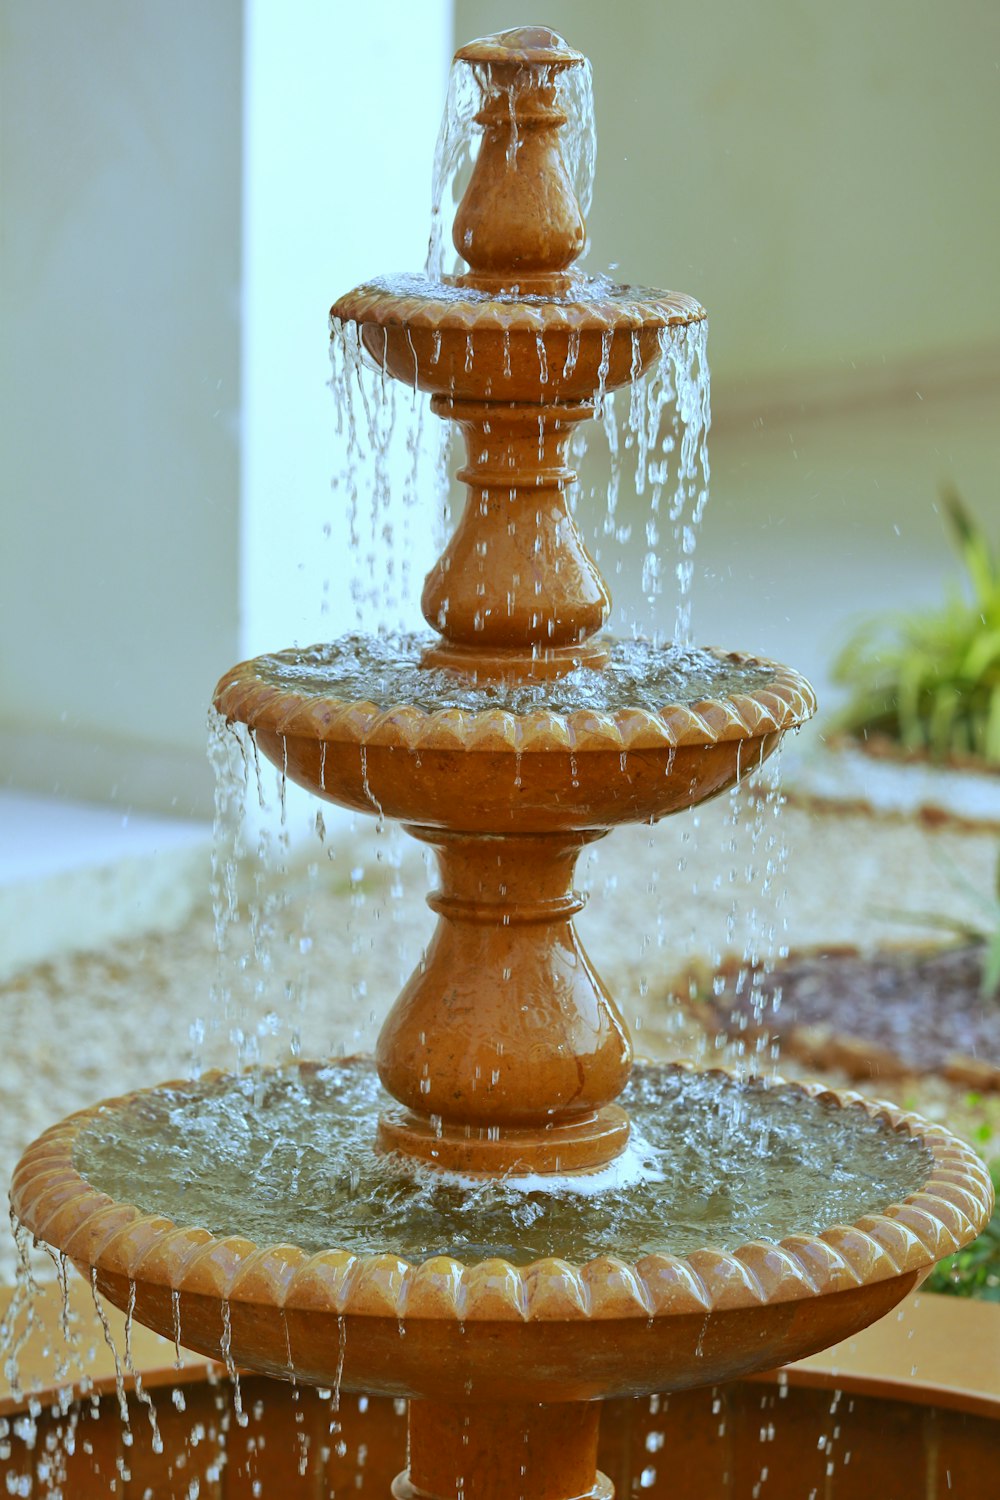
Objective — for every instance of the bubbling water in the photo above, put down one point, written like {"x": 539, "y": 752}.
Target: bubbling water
{"x": 385, "y": 670}
{"x": 289, "y": 1158}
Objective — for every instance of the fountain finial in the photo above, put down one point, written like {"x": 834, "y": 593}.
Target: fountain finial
{"x": 521, "y": 45}
{"x": 519, "y": 221}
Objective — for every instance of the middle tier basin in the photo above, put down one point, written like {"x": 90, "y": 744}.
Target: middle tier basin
{"x": 485, "y": 768}
{"x": 456, "y": 341}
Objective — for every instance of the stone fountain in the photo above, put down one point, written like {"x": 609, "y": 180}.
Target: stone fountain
{"x": 507, "y": 1223}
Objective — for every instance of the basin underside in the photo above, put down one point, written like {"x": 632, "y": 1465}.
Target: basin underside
{"x": 516, "y": 793}
{"x": 713, "y": 1442}
{"x": 564, "y": 364}
{"x": 492, "y": 1331}
{"x": 536, "y": 1361}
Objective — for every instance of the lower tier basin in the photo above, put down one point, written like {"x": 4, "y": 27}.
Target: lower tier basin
{"x": 646, "y": 1283}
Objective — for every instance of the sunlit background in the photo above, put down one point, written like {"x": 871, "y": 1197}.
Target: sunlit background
{"x": 187, "y": 187}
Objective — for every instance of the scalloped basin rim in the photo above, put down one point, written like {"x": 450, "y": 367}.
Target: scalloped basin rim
{"x": 51, "y": 1198}
{"x": 407, "y": 300}
{"x": 244, "y": 695}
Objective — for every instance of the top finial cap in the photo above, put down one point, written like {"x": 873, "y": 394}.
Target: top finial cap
{"x": 522, "y": 45}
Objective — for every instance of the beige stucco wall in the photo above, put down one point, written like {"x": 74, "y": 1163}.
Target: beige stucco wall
{"x": 824, "y": 177}
{"x": 119, "y": 383}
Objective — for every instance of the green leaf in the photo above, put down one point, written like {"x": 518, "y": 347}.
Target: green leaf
{"x": 973, "y": 548}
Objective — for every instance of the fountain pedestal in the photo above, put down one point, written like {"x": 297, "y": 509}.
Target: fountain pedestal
{"x": 505, "y": 1048}
{"x": 515, "y": 591}
{"x": 494, "y": 1451}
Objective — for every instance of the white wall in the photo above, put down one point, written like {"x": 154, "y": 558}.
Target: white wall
{"x": 179, "y": 211}
{"x": 823, "y": 177}
{"x": 119, "y": 387}
{"x": 342, "y": 109}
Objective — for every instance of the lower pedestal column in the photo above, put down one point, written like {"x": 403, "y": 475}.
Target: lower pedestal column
{"x": 505, "y": 1048}
{"x": 463, "y": 1450}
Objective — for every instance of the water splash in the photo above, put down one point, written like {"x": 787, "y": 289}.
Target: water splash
{"x": 385, "y": 671}
{"x": 287, "y": 1162}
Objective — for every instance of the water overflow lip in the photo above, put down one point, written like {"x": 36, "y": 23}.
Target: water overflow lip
{"x": 289, "y": 1158}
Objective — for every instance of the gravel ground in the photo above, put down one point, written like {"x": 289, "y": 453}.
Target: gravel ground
{"x": 334, "y": 943}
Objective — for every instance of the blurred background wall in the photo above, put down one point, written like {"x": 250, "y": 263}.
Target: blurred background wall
{"x": 186, "y": 187}
{"x": 823, "y": 177}
{"x": 119, "y": 388}
{"x": 183, "y": 190}
{"x": 826, "y": 180}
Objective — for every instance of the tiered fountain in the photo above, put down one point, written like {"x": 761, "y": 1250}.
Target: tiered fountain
{"x": 484, "y": 1238}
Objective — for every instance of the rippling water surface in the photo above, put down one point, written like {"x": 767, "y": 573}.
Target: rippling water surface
{"x": 385, "y": 670}
{"x": 713, "y": 1162}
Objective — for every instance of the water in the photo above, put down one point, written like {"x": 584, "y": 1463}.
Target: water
{"x": 755, "y": 931}
{"x": 289, "y": 1158}
{"x": 391, "y": 457}
{"x": 252, "y": 997}
{"x": 645, "y": 495}
{"x": 385, "y": 670}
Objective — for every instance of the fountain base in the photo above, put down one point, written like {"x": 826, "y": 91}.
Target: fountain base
{"x": 581, "y": 1145}
{"x": 479, "y": 665}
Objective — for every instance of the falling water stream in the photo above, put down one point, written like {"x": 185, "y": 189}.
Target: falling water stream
{"x": 458, "y": 146}
{"x": 655, "y": 435}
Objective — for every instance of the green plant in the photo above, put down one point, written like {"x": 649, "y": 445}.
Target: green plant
{"x": 974, "y": 1271}
{"x": 931, "y": 681}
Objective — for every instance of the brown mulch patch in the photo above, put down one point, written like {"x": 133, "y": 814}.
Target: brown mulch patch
{"x": 890, "y": 1013}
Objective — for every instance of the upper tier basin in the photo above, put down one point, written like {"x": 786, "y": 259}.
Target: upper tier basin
{"x": 483, "y": 766}
{"x": 472, "y": 345}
